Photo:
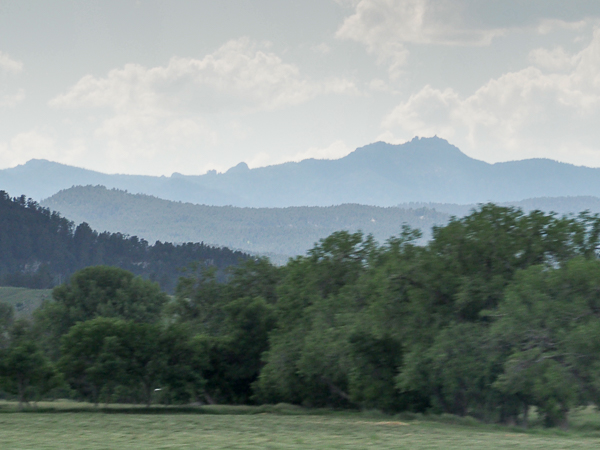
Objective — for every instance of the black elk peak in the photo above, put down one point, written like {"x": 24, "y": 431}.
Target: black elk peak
{"x": 240, "y": 168}
{"x": 426, "y": 150}
{"x": 418, "y": 145}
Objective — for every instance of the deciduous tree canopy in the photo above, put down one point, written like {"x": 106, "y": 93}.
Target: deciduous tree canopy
{"x": 499, "y": 312}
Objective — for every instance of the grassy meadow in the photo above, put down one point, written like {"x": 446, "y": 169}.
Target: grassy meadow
{"x": 24, "y": 300}
{"x": 67, "y": 426}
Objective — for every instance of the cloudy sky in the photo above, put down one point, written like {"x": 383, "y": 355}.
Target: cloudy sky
{"x": 156, "y": 87}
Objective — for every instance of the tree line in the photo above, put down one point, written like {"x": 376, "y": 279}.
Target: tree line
{"x": 498, "y": 313}
{"x": 40, "y": 249}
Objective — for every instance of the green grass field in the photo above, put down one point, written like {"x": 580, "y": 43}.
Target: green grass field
{"x": 25, "y": 301}
{"x": 74, "y": 427}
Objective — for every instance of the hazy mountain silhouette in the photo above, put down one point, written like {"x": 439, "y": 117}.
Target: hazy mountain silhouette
{"x": 558, "y": 205}
{"x": 277, "y": 232}
{"x": 422, "y": 170}
{"x": 39, "y": 179}
{"x": 273, "y": 231}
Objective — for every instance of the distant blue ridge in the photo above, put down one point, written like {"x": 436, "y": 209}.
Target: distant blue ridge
{"x": 379, "y": 174}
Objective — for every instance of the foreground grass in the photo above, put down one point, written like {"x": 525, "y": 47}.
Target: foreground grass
{"x": 75, "y": 426}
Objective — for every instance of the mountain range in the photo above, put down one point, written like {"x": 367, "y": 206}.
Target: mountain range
{"x": 275, "y": 232}
{"x": 379, "y": 174}
{"x": 558, "y": 205}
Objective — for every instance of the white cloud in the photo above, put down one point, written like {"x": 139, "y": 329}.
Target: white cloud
{"x": 347, "y": 3}
{"x": 321, "y": 48}
{"x": 34, "y": 144}
{"x": 556, "y": 59}
{"x": 4, "y": 154}
{"x": 144, "y": 128}
{"x": 425, "y": 113}
{"x": 25, "y": 146}
{"x": 40, "y": 143}
{"x": 335, "y": 150}
{"x": 163, "y": 115}
{"x": 7, "y": 64}
{"x": 11, "y": 100}
{"x": 10, "y": 66}
{"x": 547, "y": 26}
{"x": 535, "y": 112}
{"x": 240, "y": 75}
{"x": 378, "y": 85}
{"x": 385, "y": 26}
{"x": 147, "y": 138}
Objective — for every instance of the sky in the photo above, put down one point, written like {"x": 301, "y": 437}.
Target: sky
{"x": 157, "y": 87}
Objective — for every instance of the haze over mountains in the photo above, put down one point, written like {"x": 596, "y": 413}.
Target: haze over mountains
{"x": 559, "y": 205}
{"x": 277, "y": 232}
{"x": 379, "y": 174}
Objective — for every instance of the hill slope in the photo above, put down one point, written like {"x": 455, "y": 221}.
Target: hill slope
{"x": 559, "y": 205}
{"x": 39, "y": 249}
{"x": 282, "y": 231}
{"x": 24, "y": 300}
{"x": 422, "y": 170}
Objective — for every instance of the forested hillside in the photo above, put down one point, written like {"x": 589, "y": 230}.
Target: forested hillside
{"x": 273, "y": 231}
{"x": 559, "y": 205}
{"x": 40, "y": 248}
{"x": 380, "y": 174}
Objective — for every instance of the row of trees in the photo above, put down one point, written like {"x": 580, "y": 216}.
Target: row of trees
{"x": 499, "y": 312}
{"x": 110, "y": 336}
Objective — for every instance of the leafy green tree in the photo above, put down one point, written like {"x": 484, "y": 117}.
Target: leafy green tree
{"x": 104, "y": 291}
{"x": 234, "y": 319}
{"x": 254, "y": 278}
{"x": 456, "y": 371}
{"x": 24, "y": 369}
{"x": 186, "y": 364}
{"x": 432, "y": 312}
{"x": 103, "y": 353}
{"x": 372, "y": 381}
{"x": 235, "y": 355}
{"x": 550, "y": 325}
{"x": 460, "y": 278}
{"x": 198, "y": 301}
{"x": 145, "y": 362}
{"x": 307, "y": 361}
{"x": 155, "y": 357}
{"x": 7, "y": 315}
{"x": 91, "y": 356}
{"x": 98, "y": 291}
